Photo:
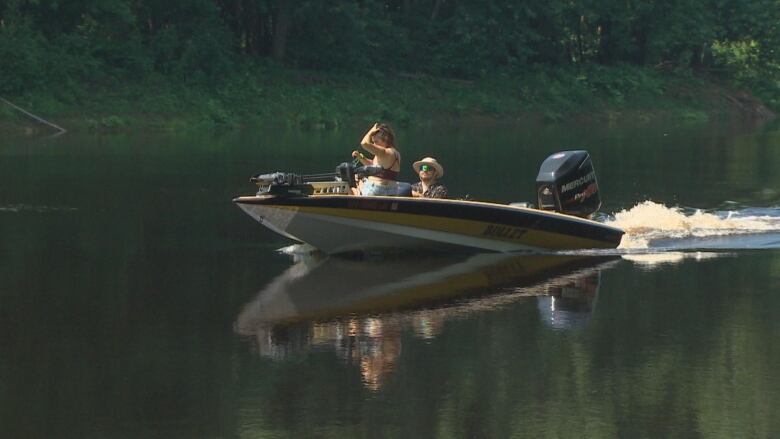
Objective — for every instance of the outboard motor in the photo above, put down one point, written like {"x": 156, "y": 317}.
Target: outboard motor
{"x": 567, "y": 184}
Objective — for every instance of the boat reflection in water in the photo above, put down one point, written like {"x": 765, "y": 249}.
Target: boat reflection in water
{"x": 362, "y": 308}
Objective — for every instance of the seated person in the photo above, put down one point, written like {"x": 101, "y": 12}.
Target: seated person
{"x": 380, "y": 141}
{"x": 429, "y": 171}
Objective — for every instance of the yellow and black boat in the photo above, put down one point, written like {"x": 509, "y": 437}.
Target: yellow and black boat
{"x": 325, "y": 215}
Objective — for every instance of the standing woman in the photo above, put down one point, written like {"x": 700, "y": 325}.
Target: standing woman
{"x": 380, "y": 141}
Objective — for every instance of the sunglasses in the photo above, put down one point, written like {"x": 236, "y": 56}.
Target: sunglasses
{"x": 426, "y": 168}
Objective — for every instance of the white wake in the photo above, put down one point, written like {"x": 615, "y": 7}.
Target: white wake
{"x": 649, "y": 223}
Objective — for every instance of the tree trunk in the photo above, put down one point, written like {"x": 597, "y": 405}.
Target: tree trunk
{"x": 436, "y": 8}
{"x": 640, "y": 52}
{"x": 604, "y": 55}
{"x": 252, "y": 27}
{"x": 699, "y": 56}
{"x": 281, "y": 27}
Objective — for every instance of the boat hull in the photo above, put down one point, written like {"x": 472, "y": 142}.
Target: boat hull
{"x": 343, "y": 223}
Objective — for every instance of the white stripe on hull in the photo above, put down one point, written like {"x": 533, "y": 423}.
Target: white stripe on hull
{"x": 337, "y": 234}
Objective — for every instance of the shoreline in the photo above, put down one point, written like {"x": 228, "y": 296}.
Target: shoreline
{"x": 315, "y": 101}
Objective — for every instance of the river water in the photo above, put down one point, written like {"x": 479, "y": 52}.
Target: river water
{"x": 137, "y": 301}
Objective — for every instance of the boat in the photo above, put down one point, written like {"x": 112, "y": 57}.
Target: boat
{"x": 320, "y": 210}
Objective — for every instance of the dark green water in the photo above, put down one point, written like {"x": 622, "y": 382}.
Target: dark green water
{"x": 137, "y": 301}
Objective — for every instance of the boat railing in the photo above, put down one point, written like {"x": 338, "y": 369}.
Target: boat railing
{"x": 330, "y": 187}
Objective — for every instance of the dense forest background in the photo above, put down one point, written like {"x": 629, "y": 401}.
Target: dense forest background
{"x": 60, "y": 48}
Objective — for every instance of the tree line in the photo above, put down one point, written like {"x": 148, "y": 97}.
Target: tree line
{"x": 97, "y": 41}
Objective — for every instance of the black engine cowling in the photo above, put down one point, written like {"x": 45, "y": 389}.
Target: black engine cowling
{"x": 567, "y": 184}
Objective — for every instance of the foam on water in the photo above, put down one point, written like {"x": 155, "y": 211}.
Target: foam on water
{"x": 651, "y": 260}
{"x": 18, "y": 208}
{"x": 298, "y": 250}
{"x": 649, "y": 222}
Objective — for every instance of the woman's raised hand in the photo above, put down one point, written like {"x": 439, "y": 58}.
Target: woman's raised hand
{"x": 373, "y": 130}
{"x": 367, "y": 139}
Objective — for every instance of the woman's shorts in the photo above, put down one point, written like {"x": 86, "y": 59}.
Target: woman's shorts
{"x": 370, "y": 187}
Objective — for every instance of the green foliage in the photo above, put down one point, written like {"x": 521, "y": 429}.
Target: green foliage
{"x": 746, "y": 64}
{"x": 189, "y": 41}
{"x": 347, "y": 39}
{"x": 106, "y": 123}
{"x": 66, "y": 48}
{"x": 22, "y": 45}
{"x": 215, "y": 112}
{"x": 740, "y": 58}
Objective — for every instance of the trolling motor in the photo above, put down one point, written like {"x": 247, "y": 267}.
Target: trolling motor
{"x": 276, "y": 178}
{"x": 567, "y": 184}
{"x": 281, "y": 183}
{"x": 348, "y": 171}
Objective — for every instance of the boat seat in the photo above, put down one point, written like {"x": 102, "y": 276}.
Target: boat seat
{"x": 404, "y": 189}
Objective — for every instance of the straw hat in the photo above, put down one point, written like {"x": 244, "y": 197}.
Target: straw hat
{"x": 430, "y": 161}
